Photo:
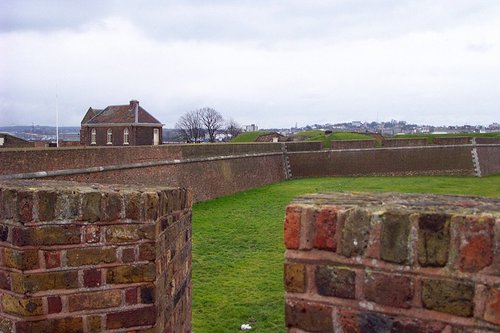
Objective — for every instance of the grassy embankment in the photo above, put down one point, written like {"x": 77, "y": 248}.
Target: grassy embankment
{"x": 238, "y": 245}
{"x": 249, "y": 136}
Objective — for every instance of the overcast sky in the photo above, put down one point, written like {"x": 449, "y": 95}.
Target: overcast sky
{"x": 272, "y": 63}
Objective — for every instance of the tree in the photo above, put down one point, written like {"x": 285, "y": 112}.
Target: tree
{"x": 233, "y": 128}
{"x": 212, "y": 120}
{"x": 189, "y": 127}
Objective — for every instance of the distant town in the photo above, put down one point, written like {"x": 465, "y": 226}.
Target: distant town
{"x": 392, "y": 128}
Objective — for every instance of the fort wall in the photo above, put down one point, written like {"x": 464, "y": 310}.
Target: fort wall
{"x": 94, "y": 258}
{"x": 392, "y": 263}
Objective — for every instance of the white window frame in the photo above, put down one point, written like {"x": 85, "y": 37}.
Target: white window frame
{"x": 126, "y": 136}
{"x": 109, "y": 136}
{"x": 93, "y": 135}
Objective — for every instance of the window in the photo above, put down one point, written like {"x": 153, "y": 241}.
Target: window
{"x": 156, "y": 136}
{"x": 125, "y": 136}
{"x": 92, "y": 137}
{"x": 110, "y": 136}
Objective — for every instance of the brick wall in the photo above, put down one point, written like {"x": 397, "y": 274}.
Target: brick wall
{"x": 352, "y": 144}
{"x": 405, "y": 142}
{"x": 94, "y": 258}
{"x": 455, "y": 140}
{"x": 444, "y": 160}
{"x": 303, "y": 145}
{"x": 392, "y": 263}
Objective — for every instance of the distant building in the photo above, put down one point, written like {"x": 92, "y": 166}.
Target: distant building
{"x": 251, "y": 128}
{"x": 8, "y": 140}
{"x": 120, "y": 125}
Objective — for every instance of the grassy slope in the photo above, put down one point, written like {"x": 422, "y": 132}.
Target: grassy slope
{"x": 249, "y": 136}
{"x": 238, "y": 245}
{"x": 317, "y": 135}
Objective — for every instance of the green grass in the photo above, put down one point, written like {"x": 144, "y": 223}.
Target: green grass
{"x": 238, "y": 245}
{"x": 318, "y": 135}
{"x": 249, "y": 136}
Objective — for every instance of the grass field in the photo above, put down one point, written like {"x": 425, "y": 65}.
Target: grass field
{"x": 318, "y": 135}
{"x": 238, "y": 245}
{"x": 248, "y": 136}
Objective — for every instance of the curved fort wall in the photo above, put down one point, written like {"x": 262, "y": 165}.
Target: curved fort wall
{"x": 213, "y": 170}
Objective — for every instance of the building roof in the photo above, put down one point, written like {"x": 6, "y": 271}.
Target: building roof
{"x": 131, "y": 113}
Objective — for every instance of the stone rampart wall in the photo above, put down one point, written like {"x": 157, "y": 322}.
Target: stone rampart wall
{"x": 392, "y": 263}
{"x": 352, "y": 144}
{"x": 94, "y": 258}
{"x": 405, "y": 142}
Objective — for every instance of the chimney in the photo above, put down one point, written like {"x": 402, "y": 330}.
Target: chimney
{"x": 134, "y": 105}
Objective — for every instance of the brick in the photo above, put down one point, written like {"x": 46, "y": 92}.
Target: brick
{"x": 325, "y": 229}
{"x": 131, "y": 295}
{"x": 46, "y": 205}
{"x": 128, "y": 255}
{"x": 355, "y": 233}
{"x": 92, "y": 234}
{"x": 148, "y": 294}
{"x": 21, "y": 259}
{"x": 94, "y": 324}
{"x": 309, "y": 317}
{"x": 131, "y": 274}
{"x": 8, "y": 204}
{"x": 335, "y": 281}
{"x": 4, "y": 280}
{"x": 292, "y": 227}
{"x": 133, "y": 207}
{"x": 95, "y": 300}
{"x": 151, "y": 202}
{"x": 492, "y": 310}
{"x": 4, "y": 233}
{"x": 137, "y": 317}
{"x": 25, "y": 307}
{"x": 111, "y": 206}
{"x": 388, "y": 289}
{"x": 147, "y": 251}
{"x": 295, "y": 278}
{"x": 448, "y": 296}
{"x": 91, "y": 206}
{"x": 347, "y": 321}
{"x": 394, "y": 237}
{"x": 6, "y": 325}
{"x": 25, "y": 206}
{"x": 46, "y": 235}
{"x": 62, "y": 325}
{"x": 92, "y": 278}
{"x": 68, "y": 205}
{"x": 374, "y": 322}
{"x": 433, "y": 240}
{"x": 90, "y": 256}
{"x": 44, "y": 281}
{"x": 54, "y": 304}
{"x": 52, "y": 259}
{"x": 476, "y": 243}
{"x": 117, "y": 234}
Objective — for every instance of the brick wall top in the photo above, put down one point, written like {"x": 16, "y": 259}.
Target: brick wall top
{"x": 405, "y": 142}
{"x": 353, "y": 144}
{"x": 391, "y": 262}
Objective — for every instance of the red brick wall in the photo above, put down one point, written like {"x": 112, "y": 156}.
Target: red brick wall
{"x": 456, "y": 140}
{"x": 392, "y": 263}
{"x": 384, "y": 161}
{"x": 88, "y": 258}
{"x": 405, "y": 142}
{"x": 138, "y": 135}
{"x": 352, "y": 144}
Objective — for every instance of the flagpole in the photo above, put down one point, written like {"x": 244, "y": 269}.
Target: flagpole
{"x": 57, "y": 122}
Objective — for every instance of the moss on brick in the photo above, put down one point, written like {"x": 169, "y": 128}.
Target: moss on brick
{"x": 448, "y": 296}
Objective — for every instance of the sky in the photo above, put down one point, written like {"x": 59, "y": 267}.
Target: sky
{"x": 265, "y": 62}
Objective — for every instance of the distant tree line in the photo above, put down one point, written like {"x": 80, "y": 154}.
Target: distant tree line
{"x": 194, "y": 126}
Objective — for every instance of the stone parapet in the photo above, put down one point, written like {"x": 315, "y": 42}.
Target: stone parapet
{"x": 392, "y": 263}
{"x": 93, "y": 258}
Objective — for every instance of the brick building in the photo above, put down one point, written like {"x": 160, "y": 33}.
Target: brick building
{"x": 8, "y": 140}
{"x": 120, "y": 125}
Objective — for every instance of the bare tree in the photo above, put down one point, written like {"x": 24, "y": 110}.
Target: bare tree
{"x": 212, "y": 120}
{"x": 189, "y": 127}
{"x": 233, "y": 128}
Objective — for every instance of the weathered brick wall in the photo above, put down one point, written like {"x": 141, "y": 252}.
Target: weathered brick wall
{"x": 488, "y": 141}
{"x": 392, "y": 263}
{"x": 94, "y": 258}
{"x": 405, "y": 142}
{"x": 352, "y": 144}
{"x": 455, "y": 140}
{"x": 442, "y": 160}
{"x": 303, "y": 145}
